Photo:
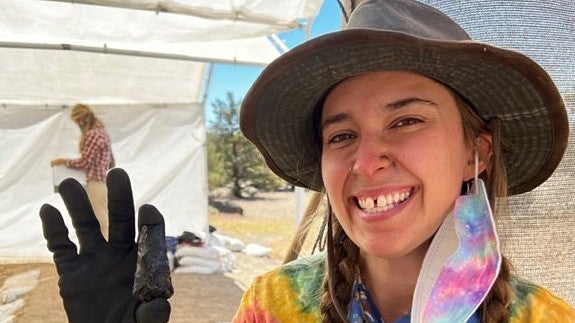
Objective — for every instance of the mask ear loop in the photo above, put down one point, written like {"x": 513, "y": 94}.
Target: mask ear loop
{"x": 474, "y": 187}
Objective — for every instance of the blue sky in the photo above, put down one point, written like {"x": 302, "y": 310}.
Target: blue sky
{"x": 237, "y": 78}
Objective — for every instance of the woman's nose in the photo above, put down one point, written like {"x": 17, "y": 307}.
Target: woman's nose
{"x": 371, "y": 157}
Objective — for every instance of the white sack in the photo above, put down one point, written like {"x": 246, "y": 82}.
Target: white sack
{"x": 256, "y": 250}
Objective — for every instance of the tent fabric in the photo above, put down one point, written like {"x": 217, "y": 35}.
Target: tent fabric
{"x": 222, "y": 31}
{"x": 154, "y": 114}
{"x": 66, "y": 77}
{"x": 142, "y": 66}
{"x": 275, "y": 13}
{"x": 161, "y": 147}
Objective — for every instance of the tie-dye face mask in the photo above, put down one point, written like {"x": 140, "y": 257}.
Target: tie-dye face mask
{"x": 462, "y": 262}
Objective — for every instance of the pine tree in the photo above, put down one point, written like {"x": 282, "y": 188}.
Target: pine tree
{"x": 232, "y": 159}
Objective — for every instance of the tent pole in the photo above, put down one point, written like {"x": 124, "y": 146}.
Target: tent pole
{"x": 208, "y": 82}
{"x": 115, "y": 51}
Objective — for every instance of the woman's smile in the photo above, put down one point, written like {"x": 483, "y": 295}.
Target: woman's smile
{"x": 382, "y": 202}
{"x": 381, "y": 206}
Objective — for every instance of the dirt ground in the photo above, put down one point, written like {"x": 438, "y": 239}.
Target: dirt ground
{"x": 268, "y": 221}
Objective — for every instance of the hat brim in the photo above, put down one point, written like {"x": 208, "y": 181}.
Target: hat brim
{"x": 277, "y": 112}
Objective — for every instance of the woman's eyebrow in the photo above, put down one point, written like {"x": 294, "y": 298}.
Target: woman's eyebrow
{"x": 408, "y": 101}
{"x": 334, "y": 119}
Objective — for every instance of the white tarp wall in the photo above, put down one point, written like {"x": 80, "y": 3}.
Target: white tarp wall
{"x": 161, "y": 146}
{"x": 142, "y": 66}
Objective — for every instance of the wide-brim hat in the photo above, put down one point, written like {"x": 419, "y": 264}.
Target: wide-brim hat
{"x": 277, "y": 114}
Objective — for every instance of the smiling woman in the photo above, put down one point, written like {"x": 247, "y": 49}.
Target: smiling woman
{"x": 404, "y": 106}
{"x": 414, "y": 132}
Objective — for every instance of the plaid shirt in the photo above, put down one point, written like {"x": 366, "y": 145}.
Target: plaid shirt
{"x": 96, "y": 156}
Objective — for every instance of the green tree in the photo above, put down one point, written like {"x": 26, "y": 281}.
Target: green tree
{"x": 232, "y": 159}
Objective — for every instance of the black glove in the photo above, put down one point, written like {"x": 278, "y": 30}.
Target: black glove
{"x": 98, "y": 285}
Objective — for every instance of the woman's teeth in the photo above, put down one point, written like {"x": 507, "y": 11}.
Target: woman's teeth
{"x": 382, "y": 202}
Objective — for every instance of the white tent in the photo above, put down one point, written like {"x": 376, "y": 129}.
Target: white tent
{"x": 144, "y": 68}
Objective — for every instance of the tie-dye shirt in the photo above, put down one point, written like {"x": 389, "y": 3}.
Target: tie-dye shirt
{"x": 291, "y": 293}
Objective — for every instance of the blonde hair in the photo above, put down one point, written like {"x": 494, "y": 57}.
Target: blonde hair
{"x": 83, "y": 112}
{"x": 343, "y": 254}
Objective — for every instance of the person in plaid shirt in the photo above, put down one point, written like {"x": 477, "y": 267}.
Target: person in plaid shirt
{"x": 96, "y": 159}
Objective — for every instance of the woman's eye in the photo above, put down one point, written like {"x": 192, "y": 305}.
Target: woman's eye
{"x": 339, "y": 138}
{"x": 406, "y": 122}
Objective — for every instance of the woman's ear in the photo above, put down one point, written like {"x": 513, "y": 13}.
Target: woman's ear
{"x": 484, "y": 148}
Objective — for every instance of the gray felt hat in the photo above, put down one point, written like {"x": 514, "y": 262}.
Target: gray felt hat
{"x": 277, "y": 114}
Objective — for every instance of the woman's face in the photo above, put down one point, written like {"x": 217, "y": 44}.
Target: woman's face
{"x": 394, "y": 159}
{"x": 79, "y": 121}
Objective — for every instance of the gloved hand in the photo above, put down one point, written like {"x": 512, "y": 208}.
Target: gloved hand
{"x": 97, "y": 284}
